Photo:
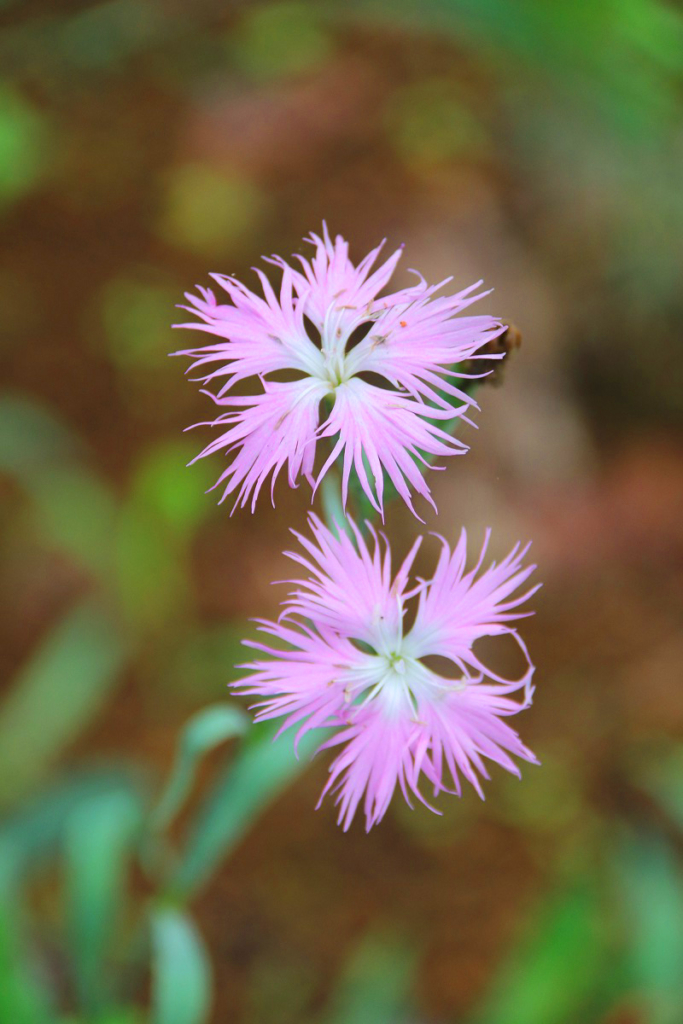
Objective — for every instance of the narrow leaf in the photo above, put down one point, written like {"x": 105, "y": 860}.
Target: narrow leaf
{"x": 57, "y": 695}
{"x": 652, "y": 901}
{"x": 541, "y": 984}
{"x": 204, "y": 731}
{"x": 151, "y": 581}
{"x": 98, "y": 845}
{"x": 46, "y": 458}
{"x": 60, "y": 495}
{"x": 181, "y": 973}
{"x": 31, "y": 439}
{"x": 259, "y": 772}
{"x": 23, "y": 999}
{"x": 32, "y": 835}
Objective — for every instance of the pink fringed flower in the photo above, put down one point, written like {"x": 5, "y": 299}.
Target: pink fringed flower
{"x": 389, "y": 422}
{"x": 348, "y": 662}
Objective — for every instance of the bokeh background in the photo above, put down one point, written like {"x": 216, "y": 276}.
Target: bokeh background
{"x": 146, "y": 143}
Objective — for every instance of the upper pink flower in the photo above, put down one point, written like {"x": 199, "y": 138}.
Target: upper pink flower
{"x": 349, "y": 662}
{"x": 386, "y": 423}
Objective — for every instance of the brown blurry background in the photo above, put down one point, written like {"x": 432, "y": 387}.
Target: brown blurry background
{"x": 538, "y": 146}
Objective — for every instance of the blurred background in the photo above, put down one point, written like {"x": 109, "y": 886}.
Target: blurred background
{"x": 146, "y": 143}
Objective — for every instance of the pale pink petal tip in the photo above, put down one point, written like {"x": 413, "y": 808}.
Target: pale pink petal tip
{"x": 296, "y": 346}
{"x": 344, "y": 660}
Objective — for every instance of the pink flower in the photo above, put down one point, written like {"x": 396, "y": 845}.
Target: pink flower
{"x": 345, "y": 659}
{"x": 389, "y": 422}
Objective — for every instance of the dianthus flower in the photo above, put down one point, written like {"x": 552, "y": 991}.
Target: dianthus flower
{"x": 389, "y": 422}
{"x": 347, "y": 661}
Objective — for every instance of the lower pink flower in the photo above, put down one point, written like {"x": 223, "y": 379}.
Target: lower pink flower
{"x": 347, "y": 661}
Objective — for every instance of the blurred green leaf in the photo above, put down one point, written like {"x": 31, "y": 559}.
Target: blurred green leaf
{"x": 99, "y": 838}
{"x": 280, "y": 39}
{"x": 661, "y": 774}
{"x": 181, "y": 973}
{"x": 210, "y": 211}
{"x": 31, "y": 439}
{"x": 542, "y": 983}
{"x": 204, "y": 660}
{"x": 615, "y": 61}
{"x": 153, "y": 585}
{"x": 56, "y": 695}
{"x": 121, "y": 1015}
{"x": 204, "y": 731}
{"x": 75, "y": 512}
{"x": 163, "y": 485}
{"x": 377, "y": 983}
{"x": 23, "y": 997}
{"x": 31, "y": 835}
{"x": 652, "y": 900}
{"x": 103, "y": 34}
{"x": 24, "y": 145}
{"x": 258, "y": 773}
{"x": 550, "y": 800}
{"x": 71, "y": 506}
{"x": 157, "y": 522}
{"x": 137, "y": 317}
{"x": 656, "y": 28}
{"x": 431, "y": 122}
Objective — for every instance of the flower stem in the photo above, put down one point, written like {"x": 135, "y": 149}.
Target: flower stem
{"x": 332, "y": 507}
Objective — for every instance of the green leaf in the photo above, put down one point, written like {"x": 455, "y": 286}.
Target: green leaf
{"x": 76, "y": 513}
{"x": 136, "y": 315}
{"x": 120, "y": 1015}
{"x": 431, "y": 122}
{"x": 22, "y": 997}
{"x": 157, "y": 522}
{"x": 151, "y": 570}
{"x": 612, "y": 62}
{"x": 162, "y": 485}
{"x": 204, "y": 731}
{"x": 103, "y": 35}
{"x": 376, "y": 984}
{"x": 662, "y": 777}
{"x": 181, "y": 973}
{"x": 200, "y": 664}
{"x": 652, "y": 900}
{"x": 24, "y": 145}
{"x": 72, "y": 507}
{"x": 210, "y": 211}
{"x": 32, "y": 835}
{"x": 99, "y": 839}
{"x": 57, "y": 695}
{"x": 259, "y": 772}
{"x": 541, "y": 983}
{"x": 31, "y": 439}
{"x": 277, "y": 40}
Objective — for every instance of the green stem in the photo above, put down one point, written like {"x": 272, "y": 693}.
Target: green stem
{"x": 332, "y": 508}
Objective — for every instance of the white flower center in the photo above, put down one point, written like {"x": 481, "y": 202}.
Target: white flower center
{"x": 400, "y": 680}
{"x": 338, "y": 365}
{"x": 397, "y": 676}
{"x": 397, "y": 663}
{"x": 334, "y": 368}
